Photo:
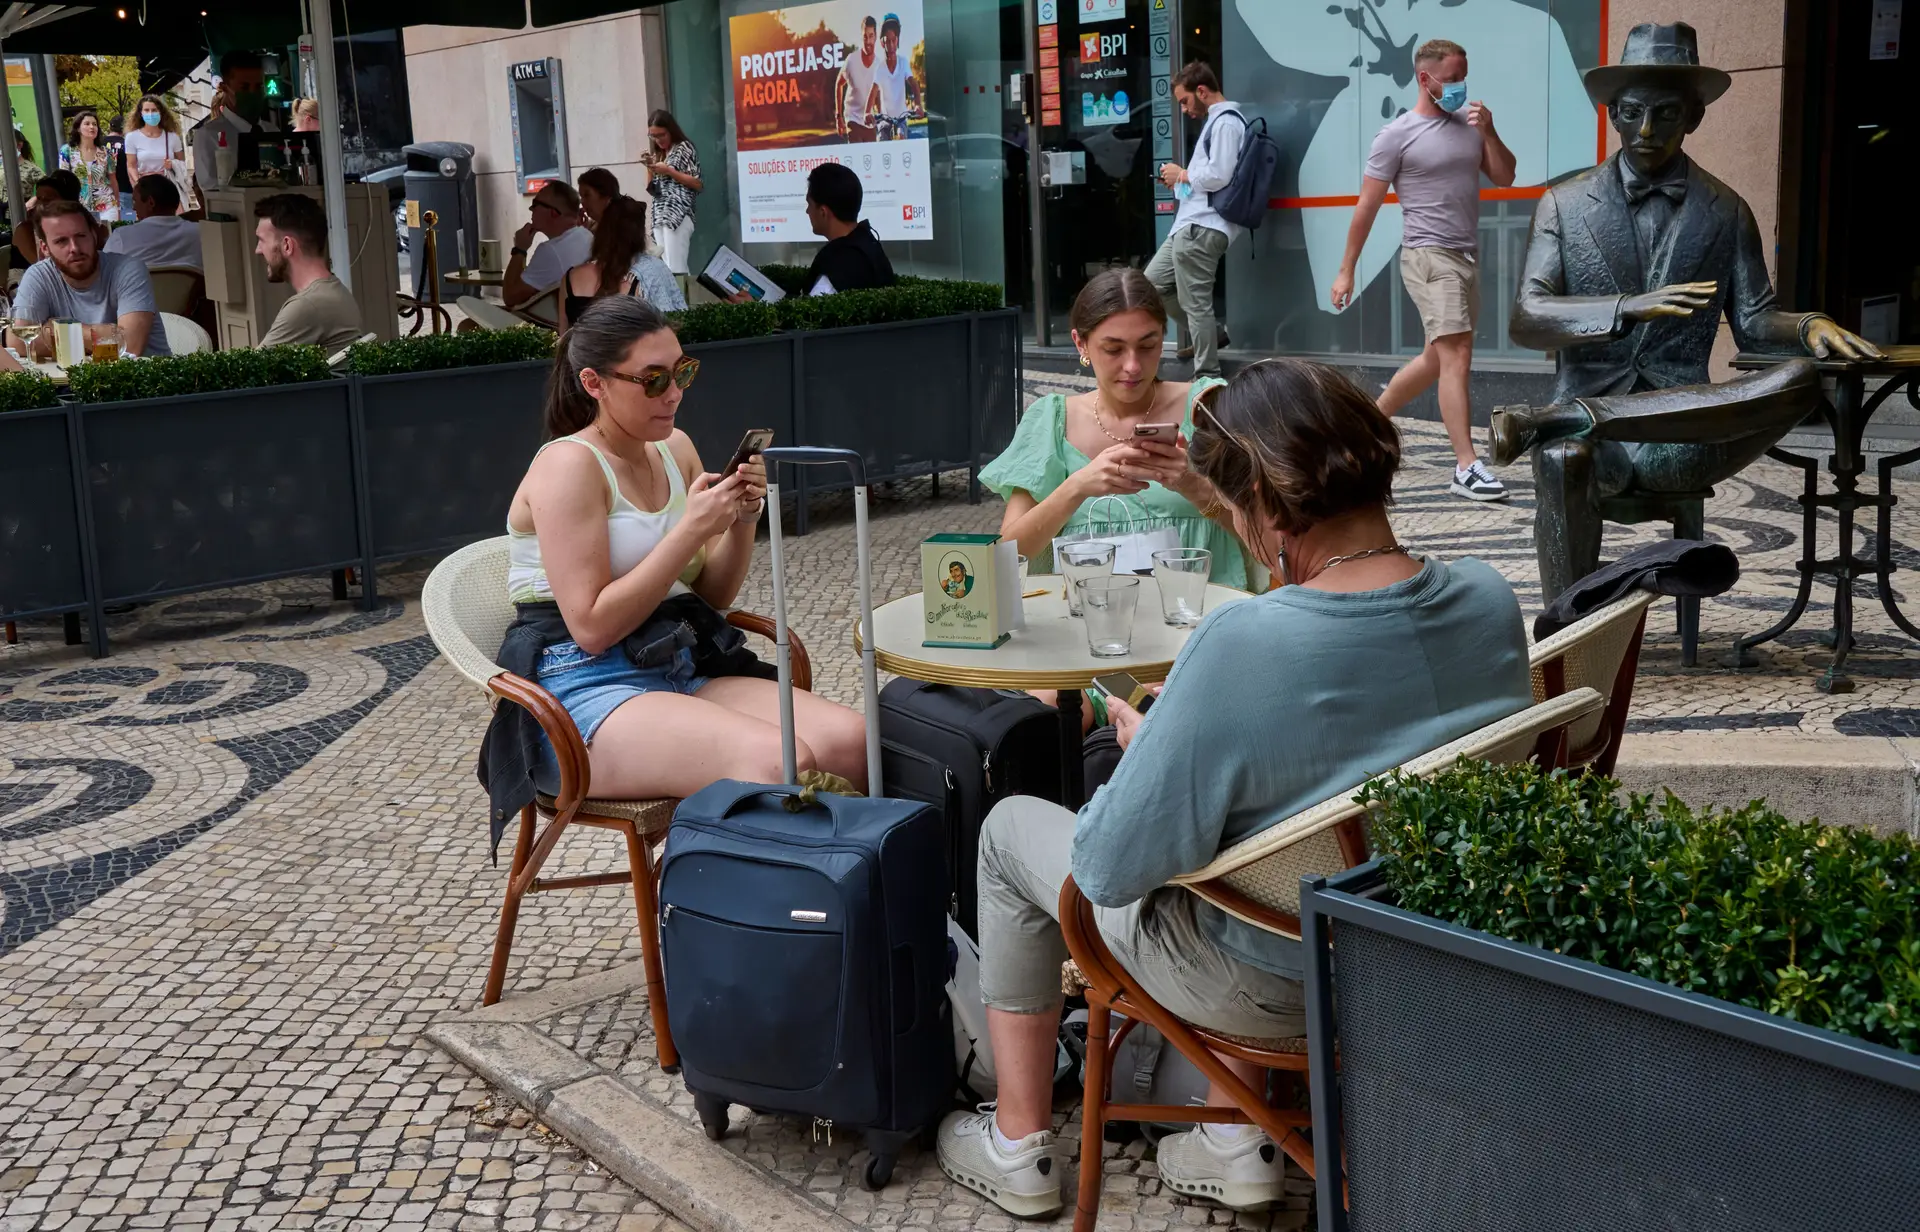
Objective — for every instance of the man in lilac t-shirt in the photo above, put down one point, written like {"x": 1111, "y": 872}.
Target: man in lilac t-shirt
{"x": 1433, "y": 156}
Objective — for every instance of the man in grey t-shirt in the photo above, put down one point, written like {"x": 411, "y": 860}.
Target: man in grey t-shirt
{"x": 78, "y": 282}
{"x": 1433, "y": 156}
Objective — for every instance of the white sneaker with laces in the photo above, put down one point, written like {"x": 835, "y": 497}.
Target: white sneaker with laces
{"x": 1025, "y": 1183}
{"x": 1246, "y": 1173}
{"x": 1476, "y": 482}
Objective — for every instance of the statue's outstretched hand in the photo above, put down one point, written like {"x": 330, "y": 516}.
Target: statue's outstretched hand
{"x": 1828, "y": 341}
{"x": 1680, "y": 299}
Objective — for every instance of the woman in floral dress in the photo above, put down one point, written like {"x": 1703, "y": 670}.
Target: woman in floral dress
{"x": 91, "y": 161}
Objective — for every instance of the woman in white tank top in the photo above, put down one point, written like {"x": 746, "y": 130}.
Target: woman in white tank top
{"x": 615, "y": 516}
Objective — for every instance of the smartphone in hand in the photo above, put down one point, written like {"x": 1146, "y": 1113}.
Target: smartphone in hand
{"x": 1123, "y": 686}
{"x": 755, "y": 441}
{"x": 1165, "y": 433}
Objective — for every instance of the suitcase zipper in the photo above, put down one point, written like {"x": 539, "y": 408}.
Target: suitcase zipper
{"x": 986, "y": 769}
{"x": 818, "y": 1125}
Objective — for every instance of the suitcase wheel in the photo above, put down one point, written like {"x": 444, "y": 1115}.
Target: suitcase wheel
{"x": 713, "y": 1115}
{"x": 877, "y": 1173}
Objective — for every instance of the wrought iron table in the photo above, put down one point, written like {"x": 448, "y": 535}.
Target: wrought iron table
{"x": 1848, "y": 409}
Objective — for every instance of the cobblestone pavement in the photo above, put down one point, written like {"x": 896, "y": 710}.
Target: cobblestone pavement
{"x": 243, "y": 866}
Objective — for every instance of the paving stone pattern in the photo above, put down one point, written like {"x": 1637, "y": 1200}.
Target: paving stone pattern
{"x": 243, "y": 866}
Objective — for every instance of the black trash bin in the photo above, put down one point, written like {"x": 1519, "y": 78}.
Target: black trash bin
{"x": 440, "y": 178}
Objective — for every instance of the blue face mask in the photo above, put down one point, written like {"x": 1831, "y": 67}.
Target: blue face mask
{"x": 1452, "y": 96}
{"x": 151, "y": 117}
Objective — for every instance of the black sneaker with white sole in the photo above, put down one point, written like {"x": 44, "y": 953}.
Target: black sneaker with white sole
{"x": 1476, "y": 482}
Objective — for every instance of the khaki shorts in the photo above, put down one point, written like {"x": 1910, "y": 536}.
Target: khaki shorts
{"x": 1444, "y": 286}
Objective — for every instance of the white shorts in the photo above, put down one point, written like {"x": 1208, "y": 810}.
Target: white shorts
{"x": 674, "y": 244}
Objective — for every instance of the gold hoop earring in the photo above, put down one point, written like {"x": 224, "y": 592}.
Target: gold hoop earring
{"x": 1084, "y": 361}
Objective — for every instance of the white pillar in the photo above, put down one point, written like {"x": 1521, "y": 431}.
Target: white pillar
{"x": 16, "y": 203}
{"x": 332, "y": 155}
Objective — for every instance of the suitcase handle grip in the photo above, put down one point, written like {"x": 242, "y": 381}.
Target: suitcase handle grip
{"x": 750, "y": 791}
{"x": 818, "y": 455}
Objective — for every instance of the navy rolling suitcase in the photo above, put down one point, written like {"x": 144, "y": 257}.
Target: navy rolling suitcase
{"x": 805, "y": 945}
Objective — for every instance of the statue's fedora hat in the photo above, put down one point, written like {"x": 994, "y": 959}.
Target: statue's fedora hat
{"x": 1657, "y": 55}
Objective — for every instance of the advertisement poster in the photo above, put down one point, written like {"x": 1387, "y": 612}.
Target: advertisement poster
{"x": 1101, "y": 10}
{"x": 843, "y": 81}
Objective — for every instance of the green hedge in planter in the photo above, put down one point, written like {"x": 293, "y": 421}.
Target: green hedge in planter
{"x": 166, "y": 376}
{"x": 469, "y": 350}
{"x": 26, "y": 391}
{"x": 1813, "y": 923}
{"x": 912, "y": 299}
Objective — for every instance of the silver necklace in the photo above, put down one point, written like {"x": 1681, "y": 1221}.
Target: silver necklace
{"x": 1387, "y": 550}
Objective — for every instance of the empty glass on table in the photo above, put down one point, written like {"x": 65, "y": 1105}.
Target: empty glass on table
{"x": 1181, "y": 574}
{"x": 1090, "y": 558}
{"x": 1107, "y": 603}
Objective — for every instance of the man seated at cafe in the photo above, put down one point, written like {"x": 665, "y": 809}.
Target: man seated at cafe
{"x": 555, "y": 214}
{"x": 852, "y": 257}
{"x": 292, "y": 239}
{"x": 78, "y": 282}
{"x": 161, "y": 237}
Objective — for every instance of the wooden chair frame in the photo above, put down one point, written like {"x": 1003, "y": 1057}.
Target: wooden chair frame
{"x": 1110, "y": 989}
{"x": 640, "y": 822}
{"x": 1548, "y": 661}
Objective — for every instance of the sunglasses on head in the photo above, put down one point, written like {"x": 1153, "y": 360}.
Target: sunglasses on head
{"x": 653, "y": 381}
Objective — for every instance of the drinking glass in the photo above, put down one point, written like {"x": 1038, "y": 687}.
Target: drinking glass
{"x": 106, "y": 343}
{"x": 1182, "y": 574}
{"x": 1089, "y": 558}
{"x": 1108, "y": 601}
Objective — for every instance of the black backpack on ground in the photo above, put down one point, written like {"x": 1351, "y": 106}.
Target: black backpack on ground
{"x": 965, "y": 750}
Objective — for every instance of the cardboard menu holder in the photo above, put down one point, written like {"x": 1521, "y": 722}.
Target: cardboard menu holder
{"x": 971, "y": 590}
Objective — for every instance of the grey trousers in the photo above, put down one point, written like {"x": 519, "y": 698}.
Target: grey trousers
{"x": 1026, "y": 854}
{"x": 1183, "y": 271}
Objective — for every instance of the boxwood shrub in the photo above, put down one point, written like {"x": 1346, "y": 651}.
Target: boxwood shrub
{"x": 26, "y": 391}
{"x": 468, "y": 350}
{"x": 911, "y": 299}
{"x": 1814, "y": 923}
{"x": 165, "y": 376}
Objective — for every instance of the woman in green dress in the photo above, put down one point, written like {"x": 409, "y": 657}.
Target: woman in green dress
{"x": 1076, "y": 470}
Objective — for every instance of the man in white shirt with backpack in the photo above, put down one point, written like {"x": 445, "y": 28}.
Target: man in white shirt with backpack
{"x": 1185, "y": 267}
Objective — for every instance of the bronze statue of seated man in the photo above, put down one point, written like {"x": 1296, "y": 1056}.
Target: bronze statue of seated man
{"x": 1629, "y": 268}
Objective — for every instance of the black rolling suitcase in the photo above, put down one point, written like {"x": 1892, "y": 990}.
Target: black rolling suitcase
{"x": 966, "y": 750}
{"x": 805, "y": 946}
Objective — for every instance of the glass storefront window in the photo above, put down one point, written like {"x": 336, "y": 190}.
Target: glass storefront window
{"x": 1326, "y": 76}
{"x": 974, "y": 136}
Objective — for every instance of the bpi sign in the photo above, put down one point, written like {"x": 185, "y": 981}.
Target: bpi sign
{"x": 1102, "y": 46}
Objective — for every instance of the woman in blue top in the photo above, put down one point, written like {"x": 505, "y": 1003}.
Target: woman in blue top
{"x": 1366, "y": 657}
{"x": 1070, "y": 454}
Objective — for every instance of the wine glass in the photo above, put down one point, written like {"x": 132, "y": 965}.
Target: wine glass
{"x": 26, "y": 331}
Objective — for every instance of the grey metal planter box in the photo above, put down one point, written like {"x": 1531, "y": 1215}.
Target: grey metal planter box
{"x": 914, "y": 397}
{"x": 221, "y": 489}
{"x": 445, "y": 450}
{"x": 1490, "y": 1086}
{"x": 42, "y": 539}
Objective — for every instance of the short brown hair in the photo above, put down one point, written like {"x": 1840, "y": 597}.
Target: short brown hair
{"x": 1110, "y": 291}
{"x": 1435, "y": 50}
{"x": 59, "y": 207}
{"x": 1296, "y": 443}
{"x": 299, "y": 216}
{"x": 1196, "y": 73}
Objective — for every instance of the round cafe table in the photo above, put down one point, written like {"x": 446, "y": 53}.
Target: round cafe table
{"x": 1050, "y": 653}
{"x": 477, "y": 278}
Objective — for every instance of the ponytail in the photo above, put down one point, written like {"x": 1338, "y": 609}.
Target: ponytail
{"x": 600, "y": 339}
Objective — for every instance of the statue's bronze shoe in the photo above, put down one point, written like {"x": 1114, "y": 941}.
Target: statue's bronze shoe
{"x": 1511, "y": 434}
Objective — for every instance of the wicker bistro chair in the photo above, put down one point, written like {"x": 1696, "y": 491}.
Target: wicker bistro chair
{"x": 466, "y": 605}
{"x": 1600, "y": 651}
{"x": 1257, "y": 881}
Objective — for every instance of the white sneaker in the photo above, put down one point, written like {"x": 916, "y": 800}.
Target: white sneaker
{"x": 1476, "y": 482}
{"x": 1025, "y": 1182}
{"x": 1247, "y": 1173}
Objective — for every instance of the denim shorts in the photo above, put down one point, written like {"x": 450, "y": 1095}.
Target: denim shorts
{"x": 591, "y": 687}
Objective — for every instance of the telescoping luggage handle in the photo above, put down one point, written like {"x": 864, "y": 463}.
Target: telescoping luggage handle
{"x": 812, "y": 455}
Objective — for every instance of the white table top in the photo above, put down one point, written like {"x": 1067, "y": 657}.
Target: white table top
{"x": 1050, "y": 653}
{"x": 47, "y": 368}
